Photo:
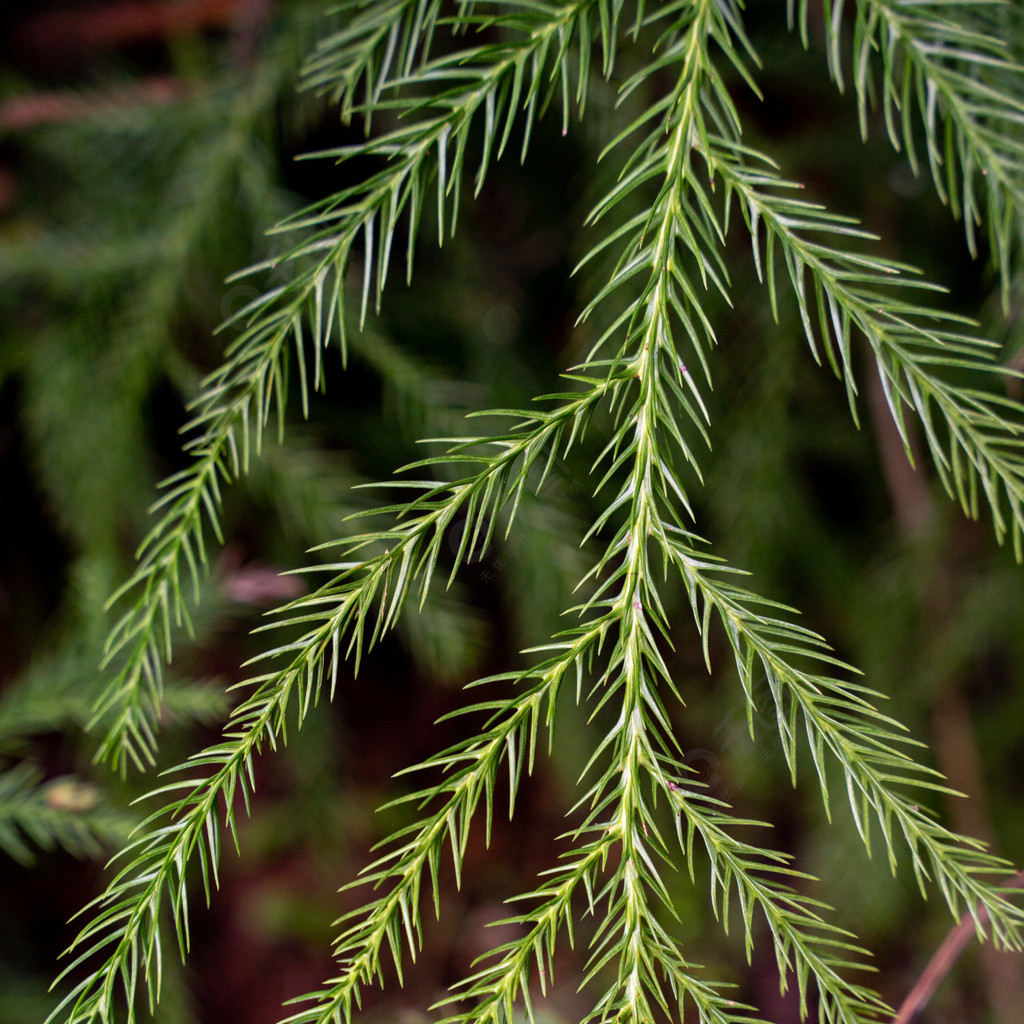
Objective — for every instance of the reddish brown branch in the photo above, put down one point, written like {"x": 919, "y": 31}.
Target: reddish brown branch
{"x": 943, "y": 959}
{"x": 122, "y": 21}
{"x": 955, "y": 744}
{"x": 22, "y": 112}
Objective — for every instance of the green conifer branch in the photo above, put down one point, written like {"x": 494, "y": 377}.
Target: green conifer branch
{"x": 645, "y": 385}
{"x": 392, "y": 920}
{"x": 126, "y": 915}
{"x": 379, "y": 41}
{"x": 238, "y": 400}
{"x": 976, "y": 438}
{"x": 361, "y": 944}
{"x": 57, "y": 692}
{"x": 126, "y": 924}
{"x": 945, "y": 60}
{"x": 805, "y": 943}
{"x": 38, "y": 814}
{"x": 848, "y": 291}
{"x": 840, "y": 717}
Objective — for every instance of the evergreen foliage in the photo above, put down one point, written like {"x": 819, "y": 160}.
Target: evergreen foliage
{"x": 440, "y": 92}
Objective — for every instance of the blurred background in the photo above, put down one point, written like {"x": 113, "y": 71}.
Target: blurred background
{"x": 145, "y": 148}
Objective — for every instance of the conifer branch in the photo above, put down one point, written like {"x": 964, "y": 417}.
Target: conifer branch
{"x": 126, "y": 915}
{"x": 63, "y": 812}
{"x": 494, "y": 990}
{"x": 238, "y": 400}
{"x": 976, "y": 437}
{"x": 848, "y": 291}
{"x": 470, "y": 768}
{"x": 380, "y": 41}
{"x": 947, "y": 61}
{"x": 536, "y": 52}
{"x": 840, "y": 717}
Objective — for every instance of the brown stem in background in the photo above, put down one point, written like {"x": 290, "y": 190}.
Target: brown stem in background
{"x": 121, "y": 21}
{"x": 908, "y": 488}
{"x": 944, "y": 958}
{"x": 58, "y": 32}
{"x": 955, "y": 745}
{"x": 1015, "y": 365}
{"x": 248, "y": 24}
{"x": 23, "y": 112}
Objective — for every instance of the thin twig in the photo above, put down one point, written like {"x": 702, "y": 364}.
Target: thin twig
{"x": 915, "y": 512}
{"x": 944, "y": 957}
{"x": 120, "y": 22}
{"x": 21, "y": 113}
{"x": 248, "y": 24}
